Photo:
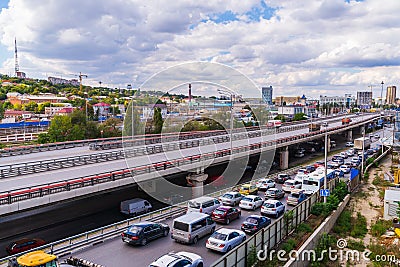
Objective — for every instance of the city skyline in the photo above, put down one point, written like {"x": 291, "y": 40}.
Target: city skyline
{"x": 313, "y": 47}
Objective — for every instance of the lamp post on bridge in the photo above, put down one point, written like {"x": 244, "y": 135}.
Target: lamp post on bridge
{"x": 231, "y": 94}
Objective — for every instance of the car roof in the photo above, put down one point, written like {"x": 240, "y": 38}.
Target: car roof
{"x": 297, "y": 191}
{"x": 273, "y": 189}
{"x": 24, "y": 240}
{"x": 255, "y": 216}
{"x": 145, "y": 223}
{"x": 231, "y": 192}
{"x": 226, "y": 230}
{"x": 224, "y": 208}
{"x": 272, "y": 201}
{"x": 250, "y": 196}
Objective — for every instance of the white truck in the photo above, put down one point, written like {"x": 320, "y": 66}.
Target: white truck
{"x": 133, "y": 207}
{"x": 358, "y": 143}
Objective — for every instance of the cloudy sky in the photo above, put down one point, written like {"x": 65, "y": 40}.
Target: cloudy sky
{"x": 314, "y": 47}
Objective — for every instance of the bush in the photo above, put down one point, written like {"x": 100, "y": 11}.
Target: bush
{"x": 252, "y": 256}
{"x": 320, "y": 208}
{"x": 359, "y": 226}
{"x": 333, "y": 202}
{"x": 340, "y": 191}
{"x": 289, "y": 245}
{"x": 343, "y": 224}
{"x": 322, "y": 247}
{"x": 380, "y": 227}
{"x": 304, "y": 228}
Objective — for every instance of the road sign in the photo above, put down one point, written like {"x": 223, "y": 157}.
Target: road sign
{"x": 324, "y": 192}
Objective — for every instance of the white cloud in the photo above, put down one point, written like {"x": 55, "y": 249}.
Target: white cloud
{"x": 308, "y": 47}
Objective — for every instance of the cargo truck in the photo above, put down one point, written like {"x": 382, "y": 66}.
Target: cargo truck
{"x": 136, "y": 206}
{"x": 314, "y": 127}
{"x": 346, "y": 121}
{"x": 358, "y": 143}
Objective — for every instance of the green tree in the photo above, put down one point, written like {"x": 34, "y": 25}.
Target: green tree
{"x": 41, "y": 107}
{"x": 299, "y": 116}
{"x": 31, "y": 106}
{"x": 157, "y": 121}
{"x": 280, "y": 117}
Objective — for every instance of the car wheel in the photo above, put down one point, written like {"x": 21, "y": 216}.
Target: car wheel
{"x": 244, "y": 239}
{"x": 195, "y": 239}
{"x": 165, "y": 233}
{"x": 143, "y": 242}
{"x": 229, "y": 248}
{"x": 227, "y": 221}
{"x": 254, "y": 207}
{"x": 277, "y": 215}
{"x": 200, "y": 264}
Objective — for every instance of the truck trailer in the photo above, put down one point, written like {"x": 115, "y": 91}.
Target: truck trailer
{"x": 358, "y": 143}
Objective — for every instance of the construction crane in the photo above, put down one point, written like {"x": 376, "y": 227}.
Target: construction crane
{"x": 80, "y": 75}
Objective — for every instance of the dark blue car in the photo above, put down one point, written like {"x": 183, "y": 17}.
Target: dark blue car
{"x": 254, "y": 223}
{"x": 143, "y": 232}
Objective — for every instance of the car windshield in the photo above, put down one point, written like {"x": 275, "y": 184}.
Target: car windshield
{"x": 269, "y": 205}
{"x": 271, "y": 192}
{"x": 289, "y": 183}
{"x": 295, "y": 195}
{"x": 245, "y": 188}
{"x": 252, "y": 221}
{"x": 194, "y": 205}
{"x": 219, "y": 236}
{"x": 228, "y": 196}
{"x": 219, "y": 212}
{"x": 247, "y": 199}
{"x": 135, "y": 229}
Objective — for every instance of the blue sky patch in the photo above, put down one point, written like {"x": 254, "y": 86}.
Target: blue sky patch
{"x": 225, "y": 17}
{"x": 264, "y": 12}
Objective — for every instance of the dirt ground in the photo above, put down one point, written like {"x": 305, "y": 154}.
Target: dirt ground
{"x": 370, "y": 205}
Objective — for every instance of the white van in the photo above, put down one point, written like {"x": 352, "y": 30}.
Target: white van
{"x": 189, "y": 228}
{"x": 203, "y": 204}
{"x": 133, "y": 207}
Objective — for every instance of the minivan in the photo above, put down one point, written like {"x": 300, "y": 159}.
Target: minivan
{"x": 189, "y": 228}
{"x": 203, "y": 204}
{"x": 133, "y": 207}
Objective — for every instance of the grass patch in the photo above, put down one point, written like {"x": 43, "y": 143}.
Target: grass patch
{"x": 380, "y": 227}
{"x": 356, "y": 245}
{"x": 359, "y": 226}
{"x": 343, "y": 224}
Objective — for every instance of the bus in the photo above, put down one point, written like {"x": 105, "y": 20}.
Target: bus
{"x": 274, "y": 123}
{"x": 315, "y": 180}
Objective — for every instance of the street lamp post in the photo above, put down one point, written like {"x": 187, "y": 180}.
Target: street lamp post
{"x": 231, "y": 115}
{"x": 326, "y": 162}
{"x": 381, "y": 97}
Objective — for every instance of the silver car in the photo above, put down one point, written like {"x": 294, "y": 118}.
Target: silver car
{"x": 231, "y": 198}
{"x": 182, "y": 258}
{"x": 225, "y": 239}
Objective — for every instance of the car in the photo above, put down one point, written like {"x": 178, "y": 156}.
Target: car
{"x": 250, "y": 202}
{"x": 377, "y": 136}
{"x": 350, "y": 153}
{"x": 282, "y": 177}
{"x": 178, "y": 259}
{"x": 224, "y": 239}
{"x": 319, "y": 164}
{"x": 24, "y": 244}
{"x": 310, "y": 168}
{"x": 142, "y": 232}
{"x": 272, "y": 207}
{"x": 349, "y": 144}
{"x": 335, "y": 164}
{"x": 225, "y": 214}
{"x": 333, "y": 143}
{"x": 348, "y": 164}
{"x": 355, "y": 159}
{"x": 295, "y": 197}
{"x": 339, "y": 173}
{"x": 299, "y": 154}
{"x": 254, "y": 223}
{"x": 302, "y": 171}
{"x": 248, "y": 189}
{"x": 231, "y": 198}
{"x": 274, "y": 193}
{"x": 370, "y": 151}
{"x": 344, "y": 168}
{"x": 344, "y": 155}
{"x": 289, "y": 185}
{"x": 264, "y": 184}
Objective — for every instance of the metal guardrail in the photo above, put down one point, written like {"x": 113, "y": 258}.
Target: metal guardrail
{"x": 60, "y": 163}
{"x": 68, "y": 245}
{"x": 70, "y": 144}
{"x": 12, "y": 196}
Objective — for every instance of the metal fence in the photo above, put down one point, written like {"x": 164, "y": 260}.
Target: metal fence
{"x": 269, "y": 238}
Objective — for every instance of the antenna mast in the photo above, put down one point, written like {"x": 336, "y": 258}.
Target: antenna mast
{"x": 16, "y": 58}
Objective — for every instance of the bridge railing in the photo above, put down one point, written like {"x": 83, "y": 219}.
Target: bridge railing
{"x": 26, "y": 193}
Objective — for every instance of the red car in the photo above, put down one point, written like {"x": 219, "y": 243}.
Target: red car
{"x": 24, "y": 245}
{"x": 225, "y": 214}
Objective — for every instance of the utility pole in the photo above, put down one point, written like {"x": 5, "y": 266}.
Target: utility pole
{"x": 80, "y": 88}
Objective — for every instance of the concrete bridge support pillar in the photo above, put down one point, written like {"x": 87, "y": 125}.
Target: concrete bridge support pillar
{"x": 284, "y": 158}
{"x": 349, "y": 135}
{"x": 197, "y": 180}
